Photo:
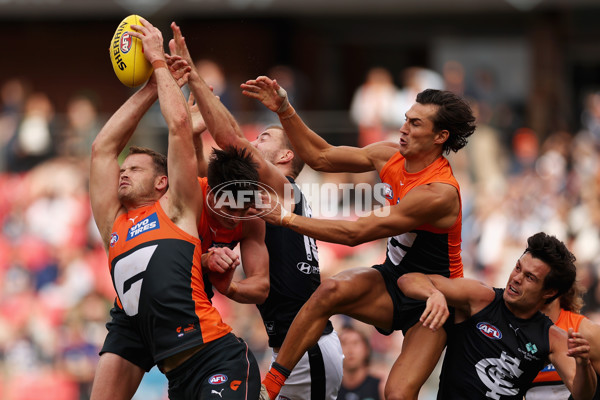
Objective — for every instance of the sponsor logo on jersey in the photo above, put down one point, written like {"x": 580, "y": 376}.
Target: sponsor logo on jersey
{"x": 531, "y": 348}
{"x": 114, "y": 238}
{"x": 217, "y": 379}
{"x": 126, "y": 42}
{"x": 306, "y": 268}
{"x": 182, "y": 330}
{"x": 270, "y": 326}
{"x": 149, "y": 223}
{"x": 388, "y": 192}
{"x": 220, "y": 392}
{"x": 489, "y": 330}
{"x": 548, "y": 368}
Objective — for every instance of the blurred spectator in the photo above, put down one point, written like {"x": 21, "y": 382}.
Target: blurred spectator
{"x": 414, "y": 81}
{"x": 358, "y": 383}
{"x": 81, "y": 126}
{"x": 33, "y": 141}
{"x": 12, "y": 98}
{"x": 370, "y": 104}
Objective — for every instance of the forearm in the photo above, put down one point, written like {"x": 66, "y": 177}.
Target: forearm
{"x": 173, "y": 105}
{"x": 249, "y": 291}
{"x": 307, "y": 144}
{"x": 219, "y": 121}
{"x": 584, "y": 381}
{"x": 417, "y": 286}
{"x": 120, "y": 127}
{"x": 349, "y": 233}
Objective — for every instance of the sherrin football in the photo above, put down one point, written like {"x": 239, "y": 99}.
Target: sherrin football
{"x": 127, "y": 54}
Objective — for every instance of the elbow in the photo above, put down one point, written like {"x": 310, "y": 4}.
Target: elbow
{"x": 263, "y": 293}
{"x": 403, "y": 282}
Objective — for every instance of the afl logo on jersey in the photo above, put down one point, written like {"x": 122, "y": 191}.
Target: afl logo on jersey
{"x": 217, "y": 379}
{"x": 489, "y": 330}
{"x": 114, "y": 238}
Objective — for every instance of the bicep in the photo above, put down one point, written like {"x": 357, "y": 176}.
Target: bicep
{"x": 355, "y": 159}
{"x": 104, "y": 200}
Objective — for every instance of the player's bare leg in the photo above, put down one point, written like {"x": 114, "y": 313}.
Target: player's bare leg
{"x": 116, "y": 378}
{"x": 421, "y": 350}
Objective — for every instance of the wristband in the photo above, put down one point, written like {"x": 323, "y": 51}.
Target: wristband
{"x": 287, "y": 221}
{"x": 156, "y": 64}
{"x": 287, "y": 115}
{"x": 286, "y": 103}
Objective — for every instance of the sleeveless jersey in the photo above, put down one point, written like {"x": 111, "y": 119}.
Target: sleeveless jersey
{"x": 293, "y": 272}
{"x": 367, "y": 390}
{"x": 212, "y": 234}
{"x": 548, "y": 385}
{"x": 155, "y": 268}
{"x": 493, "y": 354}
{"x": 425, "y": 249}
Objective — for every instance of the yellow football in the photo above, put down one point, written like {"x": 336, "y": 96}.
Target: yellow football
{"x": 127, "y": 54}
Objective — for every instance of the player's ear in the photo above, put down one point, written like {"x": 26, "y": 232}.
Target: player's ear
{"x": 286, "y": 156}
{"x": 442, "y": 136}
{"x": 162, "y": 182}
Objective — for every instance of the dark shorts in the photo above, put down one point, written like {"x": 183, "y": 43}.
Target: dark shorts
{"x": 123, "y": 340}
{"x": 225, "y": 368}
{"x": 407, "y": 311}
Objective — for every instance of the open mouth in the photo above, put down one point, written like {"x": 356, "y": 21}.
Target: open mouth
{"x": 512, "y": 290}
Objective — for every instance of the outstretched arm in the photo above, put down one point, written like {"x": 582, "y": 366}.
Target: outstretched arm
{"x": 181, "y": 203}
{"x": 468, "y": 296}
{"x": 104, "y": 166}
{"x": 569, "y": 353}
{"x": 219, "y": 121}
{"x": 436, "y": 204}
{"x": 313, "y": 149}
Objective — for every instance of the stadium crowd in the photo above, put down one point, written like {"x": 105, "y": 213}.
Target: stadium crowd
{"x": 55, "y": 288}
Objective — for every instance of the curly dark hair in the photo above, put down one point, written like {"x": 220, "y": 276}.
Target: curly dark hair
{"x": 454, "y": 115}
{"x": 232, "y": 165}
{"x": 560, "y": 260}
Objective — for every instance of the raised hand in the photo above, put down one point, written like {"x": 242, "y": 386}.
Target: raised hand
{"x": 268, "y": 92}
{"x": 151, "y": 38}
{"x": 578, "y": 347}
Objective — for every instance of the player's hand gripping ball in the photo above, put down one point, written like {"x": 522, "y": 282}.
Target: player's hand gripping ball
{"x": 127, "y": 54}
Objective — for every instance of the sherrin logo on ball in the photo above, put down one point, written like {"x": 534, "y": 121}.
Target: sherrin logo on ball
{"x": 127, "y": 54}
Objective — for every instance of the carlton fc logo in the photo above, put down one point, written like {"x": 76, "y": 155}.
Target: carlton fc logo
{"x": 149, "y": 223}
{"x": 489, "y": 330}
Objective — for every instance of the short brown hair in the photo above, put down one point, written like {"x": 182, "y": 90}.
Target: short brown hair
{"x": 159, "y": 160}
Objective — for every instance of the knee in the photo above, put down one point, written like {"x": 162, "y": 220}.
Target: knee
{"x": 328, "y": 294}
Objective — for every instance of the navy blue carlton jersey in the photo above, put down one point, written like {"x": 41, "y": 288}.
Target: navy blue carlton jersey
{"x": 293, "y": 272}
{"x": 493, "y": 354}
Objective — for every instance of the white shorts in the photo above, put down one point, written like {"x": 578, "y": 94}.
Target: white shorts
{"x": 321, "y": 372}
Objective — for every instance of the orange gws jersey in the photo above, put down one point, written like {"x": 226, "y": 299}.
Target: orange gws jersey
{"x": 155, "y": 268}
{"x": 212, "y": 234}
{"x": 548, "y": 385}
{"x": 425, "y": 249}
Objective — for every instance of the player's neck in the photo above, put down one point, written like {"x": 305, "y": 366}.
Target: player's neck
{"x": 415, "y": 164}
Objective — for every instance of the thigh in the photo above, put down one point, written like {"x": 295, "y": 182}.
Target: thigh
{"x": 360, "y": 293}
{"x": 421, "y": 351}
{"x": 115, "y": 378}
